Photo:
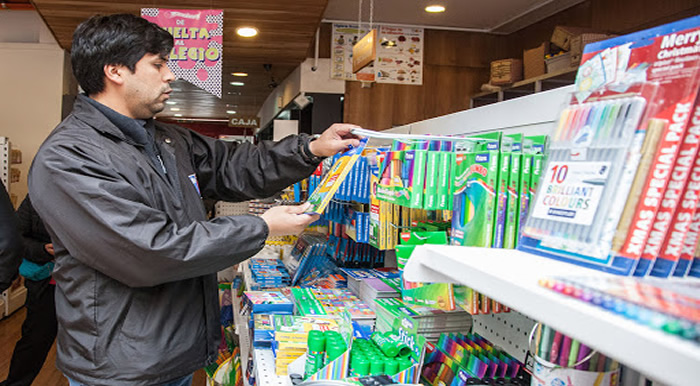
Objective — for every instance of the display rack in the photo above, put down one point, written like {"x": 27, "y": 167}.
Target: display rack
{"x": 525, "y": 87}
{"x": 5, "y": 162}
{"x": 243, "y": 334}
{"x": 265, "y": 369}
{"x": 510, "y": 277}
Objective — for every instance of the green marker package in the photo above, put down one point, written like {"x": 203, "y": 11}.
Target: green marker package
{"x": 538, "y": 147}
{"x": 513, "y": 204}
{"x": 432, "y": 172}
{"x": 476, "y": 175}
{"x": 502, "y": 191}
{"x": 444, "y": 188}
{"x": 525, "y": 180}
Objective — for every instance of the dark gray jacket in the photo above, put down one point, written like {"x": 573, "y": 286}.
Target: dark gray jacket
{"x": 136, "y": 294}
{"x": 10, "y": 241}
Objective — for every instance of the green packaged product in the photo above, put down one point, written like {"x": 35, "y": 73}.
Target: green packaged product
{"x": 376, "y": 367}
{"x": 389, "y": 347}
{"x": 314, "y": 357}
{"x": 391, "y": 367}
{"x": 405, "y": 363}
{"x": 360, "y": 366}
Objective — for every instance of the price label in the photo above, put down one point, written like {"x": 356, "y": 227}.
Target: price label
{"x": 570, "y": 192}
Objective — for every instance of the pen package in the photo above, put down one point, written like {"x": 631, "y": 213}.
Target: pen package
{"x": 475, "y": 199}
{"x": 676, "y": 209}
{"x": 402, "y": 174}
{"x": 512, "y": 226}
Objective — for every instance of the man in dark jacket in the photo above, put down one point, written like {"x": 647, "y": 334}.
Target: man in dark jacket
{"x": 39, "y": 327}
{"x": 10, "y": 241}
{"x": 121, "y": 196}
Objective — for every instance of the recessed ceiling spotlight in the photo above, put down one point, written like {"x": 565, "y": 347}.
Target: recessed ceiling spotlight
{"x": 246, "y": 32}
{"x": 178, "y": 115}
{"x": 170, "y": 102}
{"x": 435, "y": 8}
{"x": 174, "y": 109}
{"x": 230, "y": 112}
{"x": 237, "y": 84}
{"x": 239, "y": 73}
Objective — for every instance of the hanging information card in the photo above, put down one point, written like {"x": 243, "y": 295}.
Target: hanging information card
{"x": 198, "y": 34}
{"x": 399, "y": 58}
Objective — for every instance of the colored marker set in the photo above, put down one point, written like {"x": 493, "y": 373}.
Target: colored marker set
{"x": 352, "y": 217}
{"x": 622, "y": 182}
{"x": 456, "y": 359}
{"x": 669, "y": 306}
{"x": 345, "y": 252}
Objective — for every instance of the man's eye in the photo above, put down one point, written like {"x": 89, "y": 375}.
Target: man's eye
{"x": 158, "y": 65}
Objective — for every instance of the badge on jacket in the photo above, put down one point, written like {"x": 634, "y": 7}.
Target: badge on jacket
{"x": 195, "y": 182}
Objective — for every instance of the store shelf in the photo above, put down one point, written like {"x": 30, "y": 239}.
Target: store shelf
{"x": 265, "y": 369}
{"x": 525, "y": 87}
{"x": 510, "y": 277}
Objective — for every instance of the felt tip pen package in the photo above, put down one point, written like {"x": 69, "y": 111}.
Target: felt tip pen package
{"x": 512, "y": 228}
{"x": 444, "y": 188}
{"x": 432, "y": 176}
{"x": 402, "y": 174}
{"x": 601, "y": 174}
{"x": 676, "y": 210}
{"x": 499, "y": 224}
{"x": 320, "y": 198}
{"x": 476, "y": 174}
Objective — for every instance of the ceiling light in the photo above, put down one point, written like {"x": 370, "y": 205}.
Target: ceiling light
{"x": 239, "y": 73}
{"x": 237, "y": 84}
{"x": 246, "y": 32}
{"x": 435, "y": 8}
{"x": 170, "y": 102}
{"x": 174, "y": 109}
{"x": 230, "y": 112}
{"x": 178, "y": 115}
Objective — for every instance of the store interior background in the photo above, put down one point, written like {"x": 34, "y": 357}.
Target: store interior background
{"x": 37, "y": 88}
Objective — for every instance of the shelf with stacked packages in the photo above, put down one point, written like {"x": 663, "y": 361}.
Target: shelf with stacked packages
{"x": 13, "y": 298}
{"x": 506, "y": 244}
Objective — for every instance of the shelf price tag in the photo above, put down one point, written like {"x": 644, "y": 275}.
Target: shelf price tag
{"x": 571, "y": 191}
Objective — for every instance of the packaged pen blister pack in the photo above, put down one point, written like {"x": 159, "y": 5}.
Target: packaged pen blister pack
{"x": 613, "y": 151}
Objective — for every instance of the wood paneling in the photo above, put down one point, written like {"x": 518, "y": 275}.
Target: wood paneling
{"x": 457, "y": 63}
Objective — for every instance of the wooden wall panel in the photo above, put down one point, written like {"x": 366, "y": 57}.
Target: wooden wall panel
{"x": 457, "y": 63}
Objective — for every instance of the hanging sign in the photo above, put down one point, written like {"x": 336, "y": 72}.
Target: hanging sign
{"x": 245, "y": 121}
{"x": 364, "y": 51}
{"x": 399, "y": 54}
{"x": 197, "y": 54}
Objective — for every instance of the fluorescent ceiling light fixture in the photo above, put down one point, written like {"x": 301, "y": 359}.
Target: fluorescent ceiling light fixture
{"x": 230, "y": 112}
{"x": 178, "y": 115}
{"x": 435, "y": 8}
{"x": 246, "y": 32}
{"x": 170, "y": 102}
{"x": 239, "y": 73}
{"x": 174, "y": 109}
{"x": 237, "y": 84}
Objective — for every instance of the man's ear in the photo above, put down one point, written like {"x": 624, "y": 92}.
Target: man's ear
{"x": 113, "y": 73}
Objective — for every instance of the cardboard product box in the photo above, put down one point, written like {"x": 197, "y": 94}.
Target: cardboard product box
{"x": 580, "y": 41}
{"x": 506, "y": 71}
{"x": 533, "y": 61}
{"x": 562, "y": 35}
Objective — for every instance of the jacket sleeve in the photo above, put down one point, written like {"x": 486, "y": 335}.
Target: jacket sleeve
{"x": 239, "y": 172}
{"x": 95, "y": 215}
{"x": 10, "y": 241}
{"x": 34, "y": 248}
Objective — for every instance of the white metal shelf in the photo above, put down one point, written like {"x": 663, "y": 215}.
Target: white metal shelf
{"x": 265, "y": 369}
{"x": 511, "y": 277}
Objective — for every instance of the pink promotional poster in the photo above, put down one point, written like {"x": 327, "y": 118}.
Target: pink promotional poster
{"x": 198, "y": 35}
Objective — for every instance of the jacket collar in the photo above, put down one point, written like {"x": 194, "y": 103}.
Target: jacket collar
{"x": 85, "y": 110}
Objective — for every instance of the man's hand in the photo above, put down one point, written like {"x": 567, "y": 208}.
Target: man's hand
{"x": 288, "y": 220}
{"x": 49, "y": 249}
{"x": 335, "y": 139}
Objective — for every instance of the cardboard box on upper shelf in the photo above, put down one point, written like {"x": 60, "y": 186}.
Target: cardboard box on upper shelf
{"x": 563, "y": 35}
{"x": 533, "y": 60}
{"x": 506, "y": 71}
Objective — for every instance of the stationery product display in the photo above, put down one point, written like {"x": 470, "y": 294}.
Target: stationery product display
{"x": 267, "y": 302}
{"x": 669, "y": 306}
{"x": 456, "y": 358}
{"x": 603, "y": 200}
{"x": 320, "y": 197}
{"x": 267, "y": 273}
{"x": 320, "y": 301}
{"x": 430, "y": 322}
{"x": 558, "y": 357}
{"x": 370, "y": 284}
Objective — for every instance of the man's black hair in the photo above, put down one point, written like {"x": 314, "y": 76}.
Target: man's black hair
{"x": 121, "y": 39}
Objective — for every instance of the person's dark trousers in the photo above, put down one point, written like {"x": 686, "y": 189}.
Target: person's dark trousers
{"x": 38, "y": 334}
